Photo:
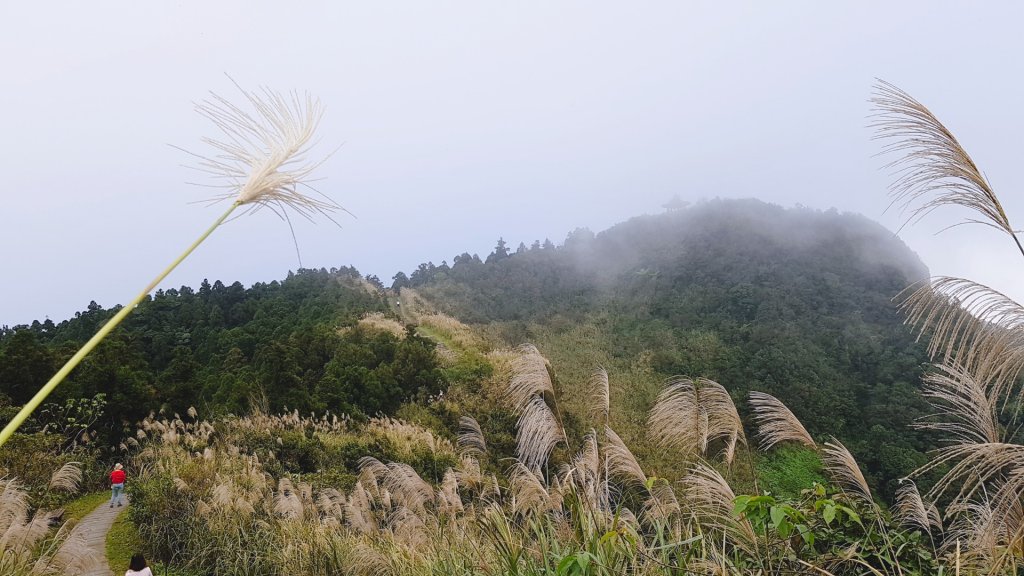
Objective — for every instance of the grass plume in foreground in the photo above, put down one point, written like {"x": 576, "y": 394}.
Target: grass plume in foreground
{"x": 976, "y": 341}
{"x": 262, "y": 160}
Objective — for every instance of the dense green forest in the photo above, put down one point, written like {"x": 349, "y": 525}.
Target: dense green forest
{"x": 221, "y": 347}
{"x": 793, "y": 302}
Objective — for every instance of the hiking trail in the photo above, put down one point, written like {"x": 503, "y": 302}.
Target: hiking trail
{"x": 90, "y": 532}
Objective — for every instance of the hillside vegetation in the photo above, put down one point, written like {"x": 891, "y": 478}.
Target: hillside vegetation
{"x": 793, "y": 302}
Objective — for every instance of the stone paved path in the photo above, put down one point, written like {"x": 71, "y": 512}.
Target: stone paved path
{"x": 92, "y": 533}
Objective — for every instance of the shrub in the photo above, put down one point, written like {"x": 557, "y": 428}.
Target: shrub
{"x": 788, "y": 470}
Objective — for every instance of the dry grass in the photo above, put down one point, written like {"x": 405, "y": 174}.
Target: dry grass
{"x": 393, "y": 521}
{"x": 689, "y": 415}
{"x": 912, "y": 511}
{"x": 451, "y": 332}
{"x": 932, "y": 168}
{"x": 67, "y": 478}
{"x": 776, "y": 423}
{"x": 409, "y": 437}
{"x": 471, "y": 440}
{"x": 377, "y": 322}
{"x": 600, "y": 396}
{"x": 530, "y": 378}
{"x": 972, "y": 327}
{"x": 844, "y": 469}
{"x": 621, "y": 462}
{"x": 537, "y": 433}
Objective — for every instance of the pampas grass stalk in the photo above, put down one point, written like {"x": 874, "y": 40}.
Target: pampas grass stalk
{"x": 261, "y": 160}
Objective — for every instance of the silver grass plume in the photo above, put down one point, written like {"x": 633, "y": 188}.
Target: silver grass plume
{"x": 21, "y": 538}
{"x": 67, "y": 478}
{"x": 723, "y": 419}
{"x": 589, "y": 457}
{"x": 585, "y": 466}
{"x": 358, "y": 511}
{"x": 407, "y": 488}
{"x": 582, "y": 473}
{"x": 677, "y": 420}
{"x": 372, "y": 474}
{"x": 776, "y": 423}
{"x": 599, "y": 395}
{"x": 469, "y": 475}
{"x": 933, "y": 169}
{"x": 621, "y": 462}
{"x": 368, "y": 561}
{"x": 975, "y": 450}
{"x": 711, "y": 498}
{"x": 287, "y": 502}
{"x": 537, "y": 433}
{"x": 843, "y": 467}
{"x": 970, "y": 325}
{"x": 448, "y": 500}
{"x": 688, "y": 415}
{"x": 972, "y": 466}
{"x": 263, "y": 156}
{"x": 14, "y": 505}
{"x": 529, "y": 494}
{"x": 529, "y": 378}
{"x": 662, "y": 503}
{"x": 408, "y": 527}
{"x": 965, "y": 410}
{"x": 471, "y": 441}
{"x": 990, "y": 530}
{"x": 912, "y": 511}
{"x": 330, "y": 502}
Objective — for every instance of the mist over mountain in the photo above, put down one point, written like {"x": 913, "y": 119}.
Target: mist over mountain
{"x": 739, "y": 245}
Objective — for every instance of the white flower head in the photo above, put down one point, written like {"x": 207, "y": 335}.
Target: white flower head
{"x": 262, "y": 157}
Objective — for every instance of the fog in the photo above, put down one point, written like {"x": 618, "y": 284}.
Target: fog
{"x": 462, "y": 122}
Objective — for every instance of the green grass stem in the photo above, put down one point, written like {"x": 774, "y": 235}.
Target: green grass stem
{"x": 57, "y": 378}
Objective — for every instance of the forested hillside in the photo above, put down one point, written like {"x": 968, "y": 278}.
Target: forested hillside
{"x": 796, "y": 303}
{"x": 289, "y": 344}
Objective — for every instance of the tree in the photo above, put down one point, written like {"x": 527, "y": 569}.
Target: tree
{"x": 579, "y": 238}
{"x": 400, "y": 281}
{"x": 375, "y": 281}
{"x": 25, "y": 366}
{"x": 500, "y": 252}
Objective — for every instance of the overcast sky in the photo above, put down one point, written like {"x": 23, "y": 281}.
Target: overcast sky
{"x": 464, "y": 121}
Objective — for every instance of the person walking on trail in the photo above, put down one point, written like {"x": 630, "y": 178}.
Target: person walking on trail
{"x": 138, "y": 567}
{"x": 117, "y": 485}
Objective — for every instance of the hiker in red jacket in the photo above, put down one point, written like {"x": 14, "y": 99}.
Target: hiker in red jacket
{"x": 117, "y": 485}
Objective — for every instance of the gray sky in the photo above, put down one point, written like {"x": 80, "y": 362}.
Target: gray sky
{"x": 463, "y": 121}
